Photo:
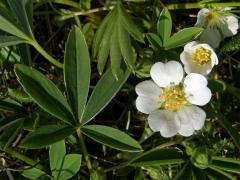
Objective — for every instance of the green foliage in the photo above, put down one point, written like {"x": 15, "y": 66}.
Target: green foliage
{"x": 111, "y": 137}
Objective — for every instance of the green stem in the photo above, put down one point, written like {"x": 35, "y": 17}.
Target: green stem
{"x": 84, "y": 150}
{"x": 25, "y": 159}
{"x": 45, "y": 54}
{"x": 200, "y": 5}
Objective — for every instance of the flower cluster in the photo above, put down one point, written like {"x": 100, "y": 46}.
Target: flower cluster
{"x": 171, "y": 98}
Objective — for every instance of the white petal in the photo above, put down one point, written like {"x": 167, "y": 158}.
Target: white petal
{"x": 189, "y": 46}
{"x": 146, "y": 105}
{"x": 211, "y": 36}
{"x": 167, "y": 74}
{"x": 194, "y": 82}
{"x": 164, "y": 121}
{"x": 201, "y": 17}
{"x": 191, "y": 118}
{"x": 148, "y": 89}
{"x": 199, "y": 97}
{"x": 230, "y": 27}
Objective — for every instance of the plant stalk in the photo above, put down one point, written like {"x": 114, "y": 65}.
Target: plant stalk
{"x": 45, "y": 54}
{"x": 84, "y": 150}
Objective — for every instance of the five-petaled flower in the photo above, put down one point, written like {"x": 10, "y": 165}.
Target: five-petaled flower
{"x": 218, "y": 23}
{"x": 171, "y": 100}
{"x": 198, "y": 58}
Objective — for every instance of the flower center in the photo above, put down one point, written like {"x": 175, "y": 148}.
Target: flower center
{"x": 173, "y": 98}
{"x": 202, "y": 56}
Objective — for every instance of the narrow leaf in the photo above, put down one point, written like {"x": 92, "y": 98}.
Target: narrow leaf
{"x": 182, "y": 37}
{"x": 46, "y": 135}
{"x": 77, "y": 71}
{"x": 19, "y": 10}
{"x": 155, "y": 40}
{"x": 111, "y": 137}
{"x": 10, "y": 28}
{"x": 101, "y": 31}
{"x": 7, "y": 121}
{"x": 219, "y": 174}
{"x": 185, "y": 173}
{"x": 104, "y": 91}
{"x": 44, "y": 93}
{"x": 164, "y": 25}
{"x": 159, "y": 157}
{"x": 227, "y": 164}
{"x": 10, "y": 41}
{"x": 11, "y": 107}
{"x": 126, "y": 47}
{"x": 115, "y": 53}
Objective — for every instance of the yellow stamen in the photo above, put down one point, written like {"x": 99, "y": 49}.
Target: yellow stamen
{"x": 173, "y": 98}
{"x": 202, "y": 56}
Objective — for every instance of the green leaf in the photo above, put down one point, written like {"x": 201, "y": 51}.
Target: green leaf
{"x": 11, "y": 107}
{"x": 155, "y": 41}
{"x": 10, "y": 28}
{"x": 104, "y": 91}
{"x": 111, "y": 137}
{"x": 57, "y": 153}
{"x": 10, "y": 41}
{"x": 10, "y": 133}
{"x": 7, "y": 121}
{"x": 159, "y": 157}
{"x": 216, "y": 85}
{"x": 218, "y": 174}
{"x": 46, "y": 135}
{"x": 44, "y": 93}
{"x": 77, "y": 71}
{"x": 227, "y": 164}
{"x": 19, "y": 10}
{"x": 127, "y": 22}
{"x": 70, "y": 166}
{"x": 104, "y": 47}
{"x": 126, "y": 47}
{"x": 228, "y": 126}
{"x": 19, "y": 95}
{"x": 164, "y": 25}
{"x": 115, "y": 53}
{"x": 182, "y": 37}
{"x": 101, "y": 31}
{"x": 35, "y": 173}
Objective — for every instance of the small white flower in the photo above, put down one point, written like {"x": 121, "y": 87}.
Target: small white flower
{"x": 218, "y": 23}
{"x": 198, "y": 58}
{"x": 170, "y": 100}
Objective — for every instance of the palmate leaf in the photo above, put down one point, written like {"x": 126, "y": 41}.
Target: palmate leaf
{"x": 44, "y": 93}
{"x": 111, "y": 137}
{"x": 114, "y": 34}
{"x": 77, "y": 71}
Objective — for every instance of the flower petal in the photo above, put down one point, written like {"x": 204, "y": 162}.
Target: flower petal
{"x": 199, "y": 97}
{"x": 201, "y": 17}
{"x": 194, "y": 82}
{"x": 167, "y": 74}
{"x": 230, "y": 27}
{"x": 164, "y": 121}
{"x": 146, "y": 105}
{"x": 148, "y": 89}
{"x": 191, "y": 118}
{"x": 211, "y": 36}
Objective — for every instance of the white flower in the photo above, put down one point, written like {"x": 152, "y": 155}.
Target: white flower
{"x": 198, "y": 58}
{"x": 170, "y": 100}
{"x": 217, "y": 24}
